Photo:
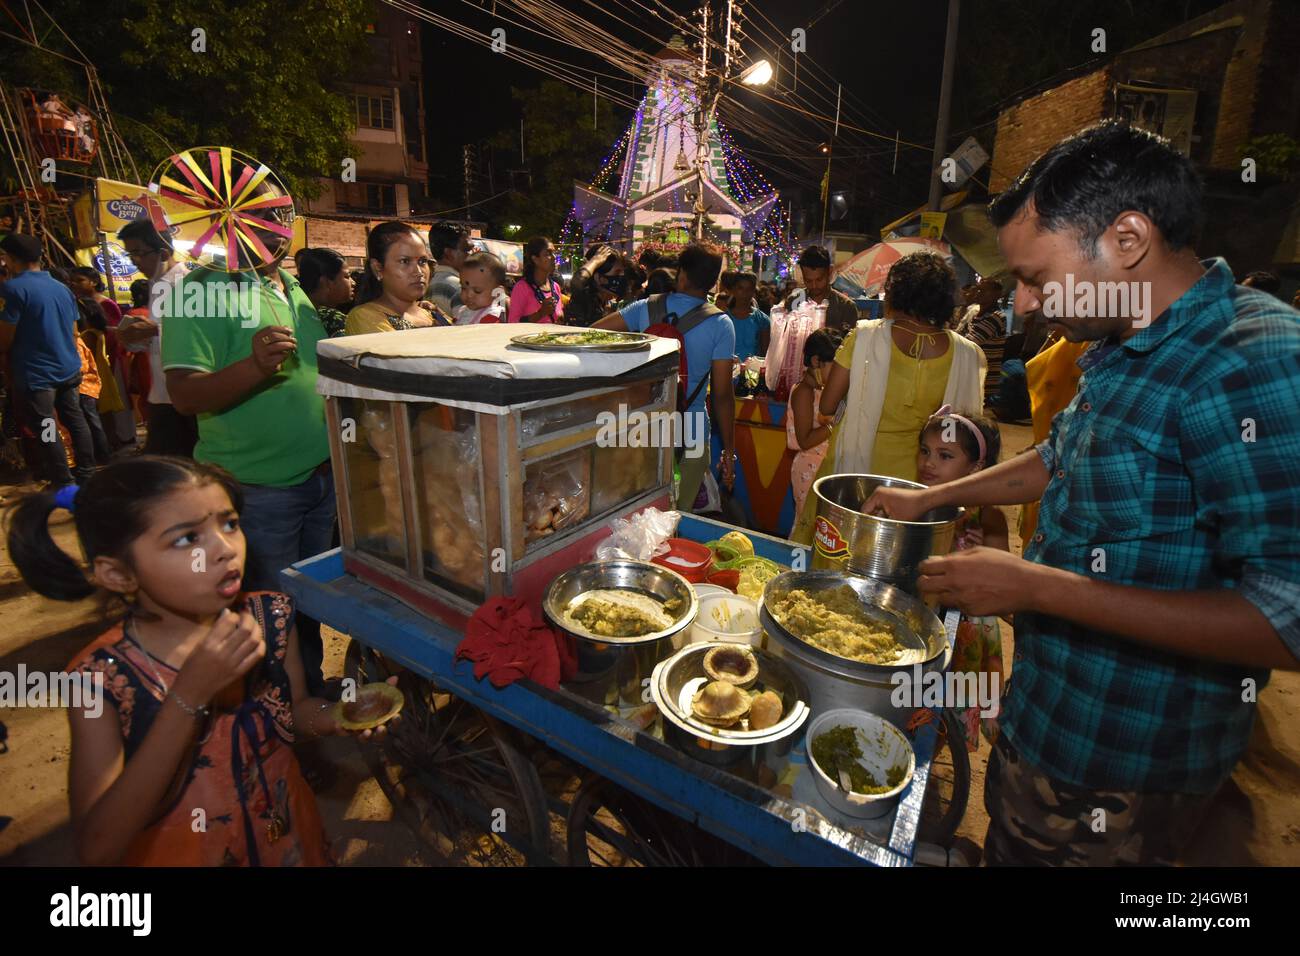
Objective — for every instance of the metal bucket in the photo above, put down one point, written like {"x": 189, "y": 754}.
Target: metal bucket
{"x": 836, "y": 682}
{"x": 846, "y": 539}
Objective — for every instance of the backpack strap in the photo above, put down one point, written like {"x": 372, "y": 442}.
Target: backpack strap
{"x": 697, "y": 315}
{"x": 656, "y": 309}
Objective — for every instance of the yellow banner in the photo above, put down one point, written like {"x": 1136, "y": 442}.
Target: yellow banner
{"x": 932, "y": 224}
{"x": 118, "y": 270}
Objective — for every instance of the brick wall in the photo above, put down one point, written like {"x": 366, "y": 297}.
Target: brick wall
{"x": 347, "y": 238}
{"x": 1027, "y": 129}
{"x": 1239, "y": 93}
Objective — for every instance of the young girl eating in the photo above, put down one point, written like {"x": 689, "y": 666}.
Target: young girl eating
{"x": 191, "y": 765}
{"x": 952, "y": 446}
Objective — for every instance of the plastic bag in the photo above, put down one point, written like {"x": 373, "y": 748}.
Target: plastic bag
{"x": 557, "y": 494}
{"x": 785, "y": 352}
{"x": 639, "y": 537}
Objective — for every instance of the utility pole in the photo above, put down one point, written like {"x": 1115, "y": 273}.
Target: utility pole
{"x": 945, "y": 106}
{"x": 469, "y": 178}
{"x": 703, "y": 101}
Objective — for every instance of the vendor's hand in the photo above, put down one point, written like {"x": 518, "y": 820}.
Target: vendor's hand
{"x": 728, "y": 469}
{"x": 903, "y": 504}
{"x": 325, "y": 726}
{"x": 272, "y": 346}
{"x": 825, "y": 421}
{"x": 980, "y": 581}
{"x": 231, "y": 648}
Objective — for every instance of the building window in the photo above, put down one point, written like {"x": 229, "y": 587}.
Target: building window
{"x": 374, "y": 112}
{"x": 367, "y": 197}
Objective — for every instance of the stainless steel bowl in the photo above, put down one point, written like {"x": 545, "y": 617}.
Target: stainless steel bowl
{"x": 844, "y": 538}
{"x": 614, "y": 669}
{"x": 836, "y": 681}
{"x": 675, "y": 682}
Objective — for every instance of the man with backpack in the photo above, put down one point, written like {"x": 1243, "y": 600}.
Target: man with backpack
{"x": 708, "y": 345}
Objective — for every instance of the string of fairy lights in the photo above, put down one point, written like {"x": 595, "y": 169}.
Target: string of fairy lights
{"x": 743, "y": 183}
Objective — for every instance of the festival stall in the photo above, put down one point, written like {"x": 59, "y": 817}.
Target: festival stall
{"x": 507, "y": 552}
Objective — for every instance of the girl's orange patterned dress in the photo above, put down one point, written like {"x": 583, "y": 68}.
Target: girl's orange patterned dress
{"x": 245, "y": 802}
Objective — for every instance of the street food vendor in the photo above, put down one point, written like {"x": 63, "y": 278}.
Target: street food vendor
{"x": 1163, "y": 582}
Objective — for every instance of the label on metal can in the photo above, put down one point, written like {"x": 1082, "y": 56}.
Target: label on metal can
{"x": 830, "y": 543}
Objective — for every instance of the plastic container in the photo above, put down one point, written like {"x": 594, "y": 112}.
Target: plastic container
{"x": 727, "y": 617}
{"x": 884, "y": 747}
{"x": 690, "y": 559}
{"x": 704, "y": 590}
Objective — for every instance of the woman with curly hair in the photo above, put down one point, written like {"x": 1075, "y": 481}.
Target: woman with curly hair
{"x": 891, "y": 373}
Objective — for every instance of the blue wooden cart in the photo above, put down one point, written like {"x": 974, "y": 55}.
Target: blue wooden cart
{"x": 637, "y": 786}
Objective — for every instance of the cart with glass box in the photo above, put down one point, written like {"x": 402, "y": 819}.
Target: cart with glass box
{"x": 468, "y": 467}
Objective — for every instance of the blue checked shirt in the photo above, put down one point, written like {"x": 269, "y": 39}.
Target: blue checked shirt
{"x": 1174, "y": 468}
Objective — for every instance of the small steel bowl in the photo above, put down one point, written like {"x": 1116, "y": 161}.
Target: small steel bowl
{"x": 676, "y": 680}
{"x": 641, "y": 576}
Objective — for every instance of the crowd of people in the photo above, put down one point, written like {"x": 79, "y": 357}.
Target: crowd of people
{"x": 1125, "y": 693}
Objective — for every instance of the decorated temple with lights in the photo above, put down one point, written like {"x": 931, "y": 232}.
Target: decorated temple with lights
{"x": 645, "y": 193}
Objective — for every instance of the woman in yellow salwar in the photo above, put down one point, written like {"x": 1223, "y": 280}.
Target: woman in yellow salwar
{"x": 891, "y": 374}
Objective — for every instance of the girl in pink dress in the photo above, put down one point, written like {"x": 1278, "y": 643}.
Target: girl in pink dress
{"x": 807, "y": 431}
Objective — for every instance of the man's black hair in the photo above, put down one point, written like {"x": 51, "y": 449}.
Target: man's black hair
{"x": 22, "y": 247}
{"x": 1263, "y": 281}
{"x": 143, "y": 230}
{"x": 815, "y": 257}
{"x": 444, "y": 236}
{"x": 1086, "y": 180}
{"x": 701, "y": 262}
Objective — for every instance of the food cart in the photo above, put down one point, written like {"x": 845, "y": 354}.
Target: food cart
{"x": 469, "y": 467}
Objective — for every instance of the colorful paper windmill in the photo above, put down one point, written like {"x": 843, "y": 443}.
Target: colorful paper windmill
{"x": 226, "y": 210}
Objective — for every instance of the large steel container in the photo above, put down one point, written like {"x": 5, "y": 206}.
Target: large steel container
{"x": 839, "y": 682}
{"x": 881, "y": 548}
{"x": 615, "y": 670}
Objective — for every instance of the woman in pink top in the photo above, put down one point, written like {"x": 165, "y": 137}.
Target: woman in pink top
{"x": 806, "y": 431}
{"x": 536, "y": 296}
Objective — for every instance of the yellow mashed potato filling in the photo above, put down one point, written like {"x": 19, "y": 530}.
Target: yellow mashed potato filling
{"x": 833, "y": 621}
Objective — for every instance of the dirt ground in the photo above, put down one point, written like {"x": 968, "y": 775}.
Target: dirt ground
{"x": 1255, "y": 818}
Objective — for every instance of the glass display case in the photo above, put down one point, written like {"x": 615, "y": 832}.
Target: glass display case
{"x": 456, "y": 484}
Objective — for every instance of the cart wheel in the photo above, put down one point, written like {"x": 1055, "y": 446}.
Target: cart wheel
{"x": 609, "y": 826}
{"x": 948, "y": 790}
{"x": 455, "y": 776}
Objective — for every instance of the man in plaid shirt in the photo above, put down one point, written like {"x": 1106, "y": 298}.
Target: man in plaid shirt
{"x": 1163, "y": 582}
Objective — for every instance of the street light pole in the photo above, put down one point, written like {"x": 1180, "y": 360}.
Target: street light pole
{"x": 945, "y": 106}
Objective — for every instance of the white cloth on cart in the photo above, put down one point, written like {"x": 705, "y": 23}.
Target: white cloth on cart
{"x": 471, "y": 351}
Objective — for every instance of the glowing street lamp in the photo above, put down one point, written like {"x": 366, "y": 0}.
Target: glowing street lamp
{"x": 757, "y": 74}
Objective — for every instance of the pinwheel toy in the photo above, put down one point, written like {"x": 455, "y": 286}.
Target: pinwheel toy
{"x": 225, "y": 210}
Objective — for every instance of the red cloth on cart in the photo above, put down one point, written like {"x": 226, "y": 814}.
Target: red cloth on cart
{"x": 507, "y": 641}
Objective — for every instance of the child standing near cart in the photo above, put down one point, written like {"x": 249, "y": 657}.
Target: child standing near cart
{"x": 952, "y": 446}
{"x": 192, "y": 764}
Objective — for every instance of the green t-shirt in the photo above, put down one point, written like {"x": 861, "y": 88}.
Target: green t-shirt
{"x": 276, "y": 435}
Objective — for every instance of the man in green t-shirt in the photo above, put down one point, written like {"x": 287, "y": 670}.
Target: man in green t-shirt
{"x": 239, "y": 351}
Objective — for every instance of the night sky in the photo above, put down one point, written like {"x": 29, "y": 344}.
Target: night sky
{"x": 889, "y": 60}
